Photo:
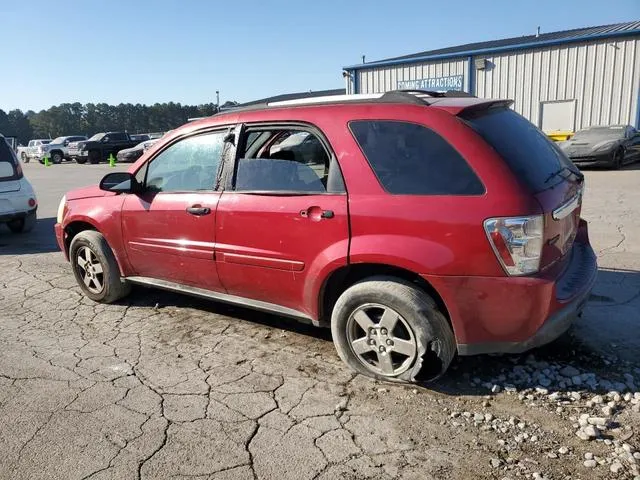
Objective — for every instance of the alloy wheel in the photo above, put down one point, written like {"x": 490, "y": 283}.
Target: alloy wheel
{"x": 381, "y": 339}
{"x": 90, "y": 269}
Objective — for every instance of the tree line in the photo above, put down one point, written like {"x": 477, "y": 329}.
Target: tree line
{"x": 90, "y": 118}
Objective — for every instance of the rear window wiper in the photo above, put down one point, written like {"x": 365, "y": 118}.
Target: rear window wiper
{"x": 578, "y": 174}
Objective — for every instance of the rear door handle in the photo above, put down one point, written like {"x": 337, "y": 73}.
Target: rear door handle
{"x": 197, "y": 210}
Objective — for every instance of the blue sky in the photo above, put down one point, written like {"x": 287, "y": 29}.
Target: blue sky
{"x": 148, "y": 51}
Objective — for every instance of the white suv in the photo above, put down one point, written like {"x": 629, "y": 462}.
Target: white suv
{"x": 18, "y": 202}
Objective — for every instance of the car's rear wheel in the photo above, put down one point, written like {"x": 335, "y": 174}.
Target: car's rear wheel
{"x": 56, "y": 158}
{"x": 94, "y": 157}
{"x": 23, "y": 225}
{"x": 389, "y": 329}
{"x": 96, "y": 269}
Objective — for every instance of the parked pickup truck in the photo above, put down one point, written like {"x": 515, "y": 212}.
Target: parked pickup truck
{"x": 57, "y": 149}
{"x": 100, "y": 146}
{"x": 32, "y": 149}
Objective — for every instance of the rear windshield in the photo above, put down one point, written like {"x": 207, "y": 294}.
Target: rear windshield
{"x": 530, "y": 154}
{"x": 8, "y": 162}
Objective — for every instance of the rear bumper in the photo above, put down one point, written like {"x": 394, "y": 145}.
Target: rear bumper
{"x": 7, "y": 217}
{"x": 583, "y": 270}
{"x": 515, "y": 314}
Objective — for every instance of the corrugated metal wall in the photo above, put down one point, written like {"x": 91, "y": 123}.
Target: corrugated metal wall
{"x": 603, "y": 77}
{"x": 383, "y": 79}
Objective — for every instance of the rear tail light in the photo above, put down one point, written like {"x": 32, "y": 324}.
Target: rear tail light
{"x": 517, "y": 242}
{"x": 32, "y": 202}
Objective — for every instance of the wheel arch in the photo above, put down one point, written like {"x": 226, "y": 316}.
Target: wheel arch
{"x": 76, "y": 226}
{"x": 344, "y": 277}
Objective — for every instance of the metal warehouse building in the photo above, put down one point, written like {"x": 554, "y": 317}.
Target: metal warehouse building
{"x": 559, "y": 81}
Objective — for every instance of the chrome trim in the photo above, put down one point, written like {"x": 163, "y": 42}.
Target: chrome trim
{"x": 567, "y": 208}
{"x": 221, "y": 297}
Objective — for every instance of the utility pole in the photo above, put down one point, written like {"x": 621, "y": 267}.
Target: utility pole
{"x": 218, "y": 100}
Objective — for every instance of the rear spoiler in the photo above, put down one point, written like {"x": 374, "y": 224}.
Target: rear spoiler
{"x": 483, "y": 106}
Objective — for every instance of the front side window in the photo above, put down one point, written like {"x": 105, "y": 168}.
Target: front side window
{"x": 282, "y": 160}
{"x": 189, "y": 165}
{"x": 410, "y": 159}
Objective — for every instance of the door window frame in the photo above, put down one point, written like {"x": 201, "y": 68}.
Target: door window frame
{"x": 242, "y": 132}
{"x": 216, "y": 187}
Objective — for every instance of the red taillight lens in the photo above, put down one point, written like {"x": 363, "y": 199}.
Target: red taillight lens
{"x": 32, "y": 202}
{"x": 517, "y": 242}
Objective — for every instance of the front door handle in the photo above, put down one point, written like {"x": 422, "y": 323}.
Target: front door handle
{"x": 198, "y": 210}
{"x": 316, "y": 213}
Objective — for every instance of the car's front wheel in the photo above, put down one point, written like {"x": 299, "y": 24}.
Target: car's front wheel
{"x": 24, "y": 158}
{"x": 23, "y": 225}
{"x": 96, "y": 269}
{"x": 390, "y": 329}
{"x": 618, "y": 159}
{"x": 56, "y": 158}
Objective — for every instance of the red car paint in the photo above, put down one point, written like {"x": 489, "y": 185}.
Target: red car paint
{"x": 280, "y": 250}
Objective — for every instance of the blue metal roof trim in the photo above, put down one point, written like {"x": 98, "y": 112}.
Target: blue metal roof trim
{"x": 519, "y": 43}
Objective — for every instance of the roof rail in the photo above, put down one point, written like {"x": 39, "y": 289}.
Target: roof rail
{"x": 326, "y": 99}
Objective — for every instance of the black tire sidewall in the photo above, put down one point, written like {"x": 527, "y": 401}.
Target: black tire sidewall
{"x": 414, "y": 305}
{"x": 53, "y": 158}
{"x": 94, "y": 157}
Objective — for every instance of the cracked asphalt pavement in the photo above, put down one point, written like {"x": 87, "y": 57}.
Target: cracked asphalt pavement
{"x": 167, "y": 386}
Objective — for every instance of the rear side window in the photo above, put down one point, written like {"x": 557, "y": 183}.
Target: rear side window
{"x": 411, "y": 159}
{"x": 117, "y": 137}
{"x": 8, "y": 162}
{"x": 530, "y": 154}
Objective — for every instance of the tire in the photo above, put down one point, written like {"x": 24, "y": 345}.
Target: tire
{"x": 81, "y": 160}
{"x": 23, "y": 225}
{"x": 419, "y": 337}
{"x": 618, "y": 160}
{"x": 56, "y": 158}
{"x": 24, "y": 158}
{"x": 104, "y": 286}
{"x": 94, "y": 157}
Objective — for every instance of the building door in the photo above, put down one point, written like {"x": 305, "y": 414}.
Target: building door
{"x": 557, "y": 116}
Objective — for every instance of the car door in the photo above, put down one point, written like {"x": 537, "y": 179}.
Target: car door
{"x": 282, "y": 216}
{"x": 169, "y": 228}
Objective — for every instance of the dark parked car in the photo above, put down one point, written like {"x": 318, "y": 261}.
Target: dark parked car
{"x": 612, "y": 146}
{"x": 99, "y": 147}
{"x": 134, "y": 153}
{"x": 415, "y": 225}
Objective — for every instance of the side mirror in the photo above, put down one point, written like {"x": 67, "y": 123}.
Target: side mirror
{"x": 66, "y": 143}
{"x": 105, "y": 139}
{"x": 119, "y": 182}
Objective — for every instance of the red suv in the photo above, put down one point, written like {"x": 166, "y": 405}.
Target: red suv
{"x": 414, "y": 224}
